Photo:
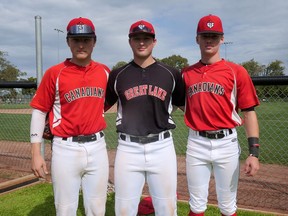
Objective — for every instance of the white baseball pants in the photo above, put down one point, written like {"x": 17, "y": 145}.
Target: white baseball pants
{"x": 154, "y": 162}
{"x": 78, "y": 166}
{"x": 218, "y": 156}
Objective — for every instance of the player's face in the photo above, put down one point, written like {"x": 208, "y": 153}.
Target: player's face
{"x": 81, "y": 48}
{"x": 142, "y": 45}
{"x": 209, "y": 43}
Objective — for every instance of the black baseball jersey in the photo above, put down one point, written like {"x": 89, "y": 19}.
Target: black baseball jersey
{"x": 145, "y": 97}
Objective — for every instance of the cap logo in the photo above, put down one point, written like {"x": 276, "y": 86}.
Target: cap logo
{"x": 80, "y": 28}
{"x": 210, "y": 24}
{"x": 141, "y": 26}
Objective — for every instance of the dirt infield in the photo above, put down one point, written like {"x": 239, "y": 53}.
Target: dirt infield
{"x": 268, "y": 191}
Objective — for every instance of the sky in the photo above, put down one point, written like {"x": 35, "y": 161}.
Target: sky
{"x": 254, "y": 29}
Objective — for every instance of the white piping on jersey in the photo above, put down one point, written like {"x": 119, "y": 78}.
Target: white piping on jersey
{"x": 119, "y": 113}
{"x": 107, "y": 73}
{"x": 170, "y": 106}
{"x": 115, "y": 83}
{"x": 57, "y": 105}
{"x": 119, "y": 106}
{"x": 234, "y": 114}
{"x": 174, "y": 83}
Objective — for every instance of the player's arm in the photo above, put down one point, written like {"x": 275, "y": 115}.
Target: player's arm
{"x": 38, "y": 164}
{"x": 178, "y": 95}
{"x": 182, "y": 108}
{"x": 111, "y": 96}
{"x": 252, "y": 133}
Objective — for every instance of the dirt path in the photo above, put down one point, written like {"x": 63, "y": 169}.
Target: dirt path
{"x": 268, "y": 191}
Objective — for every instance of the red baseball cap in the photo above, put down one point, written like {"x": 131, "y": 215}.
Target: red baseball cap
{"x": 145, "y": 206}
{"x": 80, "y": 27}
{"x": 141, "y": 26}
{"x": 210, "y": 24}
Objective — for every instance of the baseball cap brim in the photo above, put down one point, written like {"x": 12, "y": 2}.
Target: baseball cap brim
{"x": 141, "y": 26}
{"x": 81, "y": 30}
{"x": 81, "y": 35}
{"x": 211, "y": 32}
{"x": 139, "y": 33}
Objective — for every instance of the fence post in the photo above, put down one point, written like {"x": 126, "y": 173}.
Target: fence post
{"x": 39, "y": 70}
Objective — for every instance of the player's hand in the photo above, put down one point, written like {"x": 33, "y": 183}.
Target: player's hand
{"x": 251, "y": 166}
{"x": 38, "y": 164}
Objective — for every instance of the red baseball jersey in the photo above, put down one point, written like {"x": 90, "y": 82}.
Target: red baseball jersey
{"x": 214, "y": 93}
{"x": 74, "y": 97}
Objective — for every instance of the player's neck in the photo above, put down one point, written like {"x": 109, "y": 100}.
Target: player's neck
{"x": 81, "y": 62}
{"x": 144, "y": 62}
{"x": 208, "y": 60}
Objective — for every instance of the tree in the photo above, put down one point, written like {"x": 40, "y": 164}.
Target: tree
{"x": 8, "y": 72}
{"x": 175, "y": 61}
{"x": 30, "y": 91}
{"x": 275, "y": 69}
{"x": 119, "y": 64}
{"x": 253, "y": 67}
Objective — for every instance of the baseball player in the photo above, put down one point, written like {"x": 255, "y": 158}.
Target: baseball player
{"x": 146, "y": 91}
{"x": 73, "y": 94}
{"x": 215, "y": 90}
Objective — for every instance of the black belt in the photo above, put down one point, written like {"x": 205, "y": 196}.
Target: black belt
{"x": 215, "y": 134}
{"x": 144, "y": 139}
{"x": 85, "y": 138}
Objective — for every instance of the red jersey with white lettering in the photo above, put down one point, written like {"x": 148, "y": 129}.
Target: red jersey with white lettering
{"x": 74, "y": 97}
{"x": 214, "y": 93}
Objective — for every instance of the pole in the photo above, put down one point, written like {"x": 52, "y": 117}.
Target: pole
{"x": 58, "y": 30}
{"x": 38, "y": 36}
{"x": 39, "y": 67}
{"x": 227, "y": 43}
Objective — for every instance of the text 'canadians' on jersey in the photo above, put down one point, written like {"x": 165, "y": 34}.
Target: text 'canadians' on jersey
{"x": 84, "y": 92}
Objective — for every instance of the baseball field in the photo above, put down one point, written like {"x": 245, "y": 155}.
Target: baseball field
{"x": 268, "y": 191}
{"x": 38, "y": 200}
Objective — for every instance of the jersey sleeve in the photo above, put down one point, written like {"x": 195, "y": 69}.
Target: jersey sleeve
{"x": 45, "y": 94}
{"x": 178, "y": 95}
{"x": 246, "y": 92}
{"x": 111, "y": 96}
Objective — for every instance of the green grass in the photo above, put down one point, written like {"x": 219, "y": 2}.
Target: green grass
{"x": 273, "y": 121}
{"x": 37, "y": 200}
{"x": 15, "y": 127}
{"x": 15, "y": 106}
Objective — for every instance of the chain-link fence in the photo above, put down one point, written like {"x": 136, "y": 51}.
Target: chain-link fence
{"x": 266, "y": 191}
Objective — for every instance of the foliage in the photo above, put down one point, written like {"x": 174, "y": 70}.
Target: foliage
{"x": 275, "y": 69}
{"x": 8, "y": 72}
{"x": 175, "y": 61}
{"x": 254, "y": 68}
{"x": 119, "y": 64}
{"x": 30, "y": 91}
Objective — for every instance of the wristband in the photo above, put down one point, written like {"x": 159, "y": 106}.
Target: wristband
{"x": 253, "y": 144}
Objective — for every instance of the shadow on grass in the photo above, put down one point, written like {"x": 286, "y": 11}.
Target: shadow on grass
{"x": 48, "y": 209}
{"x": 44, "y": 209}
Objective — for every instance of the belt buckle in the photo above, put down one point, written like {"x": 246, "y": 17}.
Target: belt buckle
{"x": 81, "y": 138}
{"x": 215, "y": 135}
{"x": 145, "y": 140}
